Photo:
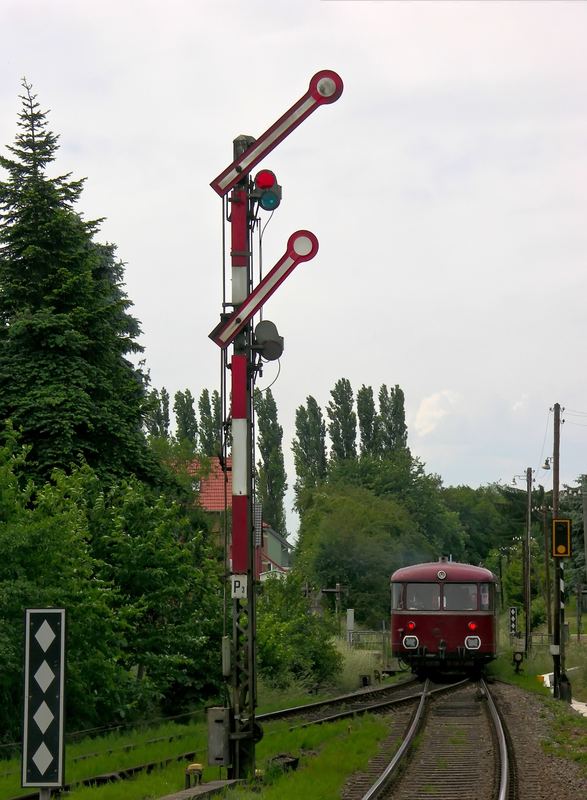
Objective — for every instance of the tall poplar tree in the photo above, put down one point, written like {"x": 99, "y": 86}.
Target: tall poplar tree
{"x": 342, "y": 427}
{"x": 271, "y": 476}
{"x": 368, "y": 421}
{"x": 156, "y": 416}
{"x": 210, "y": 426}
{"x": 185, "y": 418}
{"x": 394, "y": 432}
{"x": 309, "y": 448}
{"x": 65, "y": 329}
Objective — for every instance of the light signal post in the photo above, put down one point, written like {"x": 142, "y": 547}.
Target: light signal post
{"x": 235, "y": 328}
{"x": 561, "y": 549}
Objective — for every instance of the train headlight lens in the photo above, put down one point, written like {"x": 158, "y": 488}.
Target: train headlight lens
{"x": 410, "y": 642}
{"x": 472, "y": 642}
{"x": 411, "y": 626}
{"x": 472, "y": 626}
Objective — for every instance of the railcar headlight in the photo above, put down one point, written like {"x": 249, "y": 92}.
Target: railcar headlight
{"x": 410, "y": 642}
{"x": 472, "y": 642}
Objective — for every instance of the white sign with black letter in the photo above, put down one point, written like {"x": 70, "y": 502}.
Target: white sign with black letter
{"x": 239, "y": 587}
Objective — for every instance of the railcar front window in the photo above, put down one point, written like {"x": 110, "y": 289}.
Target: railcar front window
{"x": 423, "y": 596}
{"x": 397, "y": 596}
{"x": 460, "y": 597}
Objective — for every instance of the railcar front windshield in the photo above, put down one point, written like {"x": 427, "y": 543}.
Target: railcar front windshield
{"x": 422, "y": 596}
{"x": 460, "y": 597}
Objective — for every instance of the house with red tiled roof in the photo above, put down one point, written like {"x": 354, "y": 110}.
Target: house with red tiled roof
{"x": 216, "y": 486}
{"x": 215, "y": 496}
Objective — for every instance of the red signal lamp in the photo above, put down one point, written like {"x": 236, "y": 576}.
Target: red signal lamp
{"x": 472, "y": 626}
{"x": 266, "y": 190}
{"x": 411, "y": 626}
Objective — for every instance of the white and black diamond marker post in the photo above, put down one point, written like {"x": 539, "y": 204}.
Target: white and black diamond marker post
{"x": 44, "y": 677}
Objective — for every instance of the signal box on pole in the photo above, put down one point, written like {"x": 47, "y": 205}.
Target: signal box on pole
{"x": 561, "y": 538}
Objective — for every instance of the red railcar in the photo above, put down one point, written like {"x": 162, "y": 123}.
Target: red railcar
{"x": 443, "y": 616}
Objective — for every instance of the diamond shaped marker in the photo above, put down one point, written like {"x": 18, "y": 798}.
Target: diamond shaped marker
{"x": 43, "y": 717}
{"x": 45, "y": 635}
{"x": 42, "y": 758}
{"x": 44, "y": 676}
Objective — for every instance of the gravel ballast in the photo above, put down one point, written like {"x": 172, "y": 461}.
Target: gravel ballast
{"x": 530, "y": 721}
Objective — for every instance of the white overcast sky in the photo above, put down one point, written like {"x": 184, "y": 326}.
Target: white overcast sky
{"x": 447, "y": 187}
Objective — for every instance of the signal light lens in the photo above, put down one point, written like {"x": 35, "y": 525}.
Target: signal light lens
{"x": 265, "y": 179}
{"x": 267, "y": 191}
{"x": 472, "y": 626}
{"x": 411, "y": 626}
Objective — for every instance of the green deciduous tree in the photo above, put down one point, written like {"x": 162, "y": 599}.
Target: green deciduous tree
{"x": 65, "y": 328}
{"x": 156, "y": 416}
{"x": 342, "y": 427}
{"x": 351, "y": 536}
{"x": 185, "y": 418}
{"x": 293, "y": 643}
{"x": 393, "y": 429}
{"x": 137, "y": 577}
{"x": 210, "y": 425}
{"x": 368, "y": 421}
{"x": 271, "y": 476}
{"x": 309, "y": 448}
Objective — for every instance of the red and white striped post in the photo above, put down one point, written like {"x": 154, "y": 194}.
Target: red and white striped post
{"x": 240, "y": 464}
{"x": 325, "y": 87}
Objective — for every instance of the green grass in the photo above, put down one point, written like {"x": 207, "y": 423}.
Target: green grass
{"x": 112, "y": 752}
{"x": 568, "y": 730}
{"x": 323, "y": 750}
{"x": 540, "y": 662}
{"x": 568, "y": 737}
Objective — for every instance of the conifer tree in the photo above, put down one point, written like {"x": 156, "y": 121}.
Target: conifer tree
{"x": 272, "y": 479}
{"x": 65, "y": 329}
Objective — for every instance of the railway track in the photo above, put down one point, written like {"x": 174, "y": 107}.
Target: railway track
{"x": 364, "y": 700}
{"x": 452, "y": 746}
{"x": 358, "y": 702}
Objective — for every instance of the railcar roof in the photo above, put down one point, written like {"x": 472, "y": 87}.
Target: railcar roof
{"x": 454, "y": 572}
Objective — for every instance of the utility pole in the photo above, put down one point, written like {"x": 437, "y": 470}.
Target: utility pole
{"x": 527, "y": 561}
{"x": 548, "y": 597}
{"x": 562, "y": 686}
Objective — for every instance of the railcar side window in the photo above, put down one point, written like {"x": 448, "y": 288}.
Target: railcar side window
{"x": 485, "y": 597}
{"x": 460, "y": 597}
{"x": 397, "y": 596}
{"x": 423, "y": 596}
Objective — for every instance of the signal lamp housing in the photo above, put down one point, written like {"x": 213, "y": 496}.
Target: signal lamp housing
{"x": 266, "y": 190}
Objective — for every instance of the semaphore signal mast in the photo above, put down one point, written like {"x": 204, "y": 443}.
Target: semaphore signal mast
{"x": 233, "y": 731}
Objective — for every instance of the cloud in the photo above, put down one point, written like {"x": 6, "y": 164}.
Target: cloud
{"x": 521, "y": 404}
{"x": 434, "y": 408}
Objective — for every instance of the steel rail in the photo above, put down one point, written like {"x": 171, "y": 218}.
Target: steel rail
{"x": 381, "y": 784}
{"x": 331, "y": 701}
{"x": 504, "y": 770}
{"x": 382, "y": 781}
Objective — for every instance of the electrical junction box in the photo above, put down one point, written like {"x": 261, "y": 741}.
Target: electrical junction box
{"x": 219, "y": 736}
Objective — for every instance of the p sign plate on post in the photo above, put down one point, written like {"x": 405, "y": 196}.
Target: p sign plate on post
{"x": 44, "y": 679}
{"x": 238, "y": 587}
